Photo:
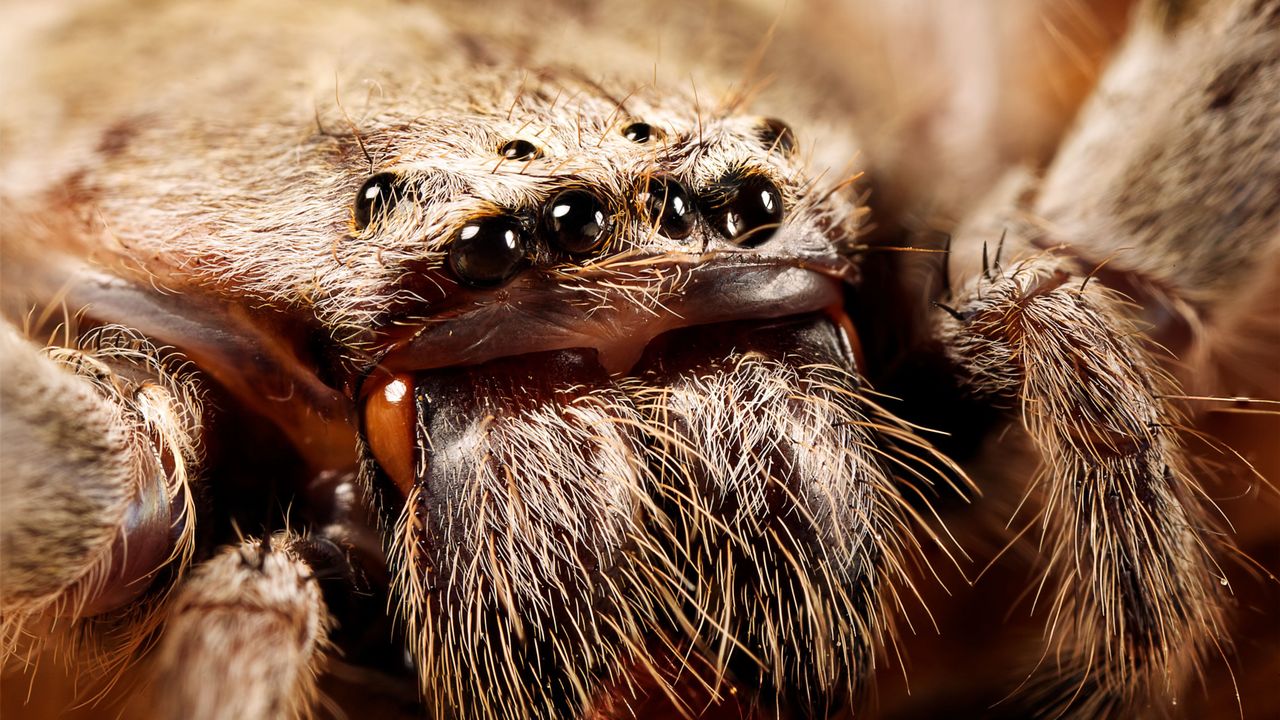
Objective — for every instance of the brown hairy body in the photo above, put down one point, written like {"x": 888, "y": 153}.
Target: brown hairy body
{"x": 517, "y": 362}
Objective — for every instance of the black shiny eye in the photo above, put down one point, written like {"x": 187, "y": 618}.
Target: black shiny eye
{"x": 576, "y": 221}
{"x": 376, "y": 198}
{"x": 639, "y": 132}
{"x": 519, "y": 149}
{"x": 745, "y": 209}
{"x": 777, "y": 136}
{"x": 670, "y": 206}
{"x": 487, "y": 251}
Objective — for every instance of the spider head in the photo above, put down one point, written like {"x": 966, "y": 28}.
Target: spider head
{"x": 566, "y": 277}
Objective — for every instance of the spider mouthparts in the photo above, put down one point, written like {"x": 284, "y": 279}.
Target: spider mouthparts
{"x": 567, "y": 511}
{"x": 615, "y": 314}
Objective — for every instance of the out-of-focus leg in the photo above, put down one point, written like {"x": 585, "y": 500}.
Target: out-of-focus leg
{"x": 98, "y": 446}
{"x": 244, "y": 636}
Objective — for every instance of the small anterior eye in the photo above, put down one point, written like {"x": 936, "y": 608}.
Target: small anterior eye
{"x": 376, "y": 198}
{"x": 486, "y": 252}
{"x": 519, "y": 149}
{"x": 639, "y": 132}
{"x": 746, "y": 210}
{"x": 670, "y": 206}
{"x": 777, "y": 136}
{"x": 576, "y": 221}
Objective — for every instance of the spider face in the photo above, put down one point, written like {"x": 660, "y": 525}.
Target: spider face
{"x": 586, "y": 417}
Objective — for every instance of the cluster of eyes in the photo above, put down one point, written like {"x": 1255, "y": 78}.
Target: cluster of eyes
{"x": 487, "y": 251}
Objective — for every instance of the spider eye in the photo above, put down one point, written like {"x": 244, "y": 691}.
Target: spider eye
{"x": 777, "y": 136}
{"x": 638, "y": 132}
{"x": 519, "y": 149}
{"x": 576, "y": 221}
{"x": 487, "y": 251}
{"x": 746, "y": 210}
{"x": 376, "y": 198}
{"x": 670, "y": 206}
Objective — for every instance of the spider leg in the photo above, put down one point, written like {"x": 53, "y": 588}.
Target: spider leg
{"x": 1174, "y": 182}
{"x": 1167, "y": 190}
{"x": 1158, "y": 221}
{"x": 98, "y": 445}
{"x": 244, "y": 635}
{"x": 1137, "y": 601}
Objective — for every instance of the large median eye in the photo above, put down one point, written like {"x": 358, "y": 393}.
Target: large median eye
{"x": 670, "y": 206}
{"x": 745, "y": 209}
{"x": 376, "y": 198}
{"x": 576, "y": 221}
{"x": 487, "y": 251}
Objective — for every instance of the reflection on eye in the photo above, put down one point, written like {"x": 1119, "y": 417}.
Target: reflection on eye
{"x": 519, "y": 149}
{"x": 487, "y": 251}
{"x": 640, "y": 133}
{"x": 576, "y": 221}
{"x": 746, "y": 210}
{"x": 671, "y": 207}
{"x": 376, "y": 198}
